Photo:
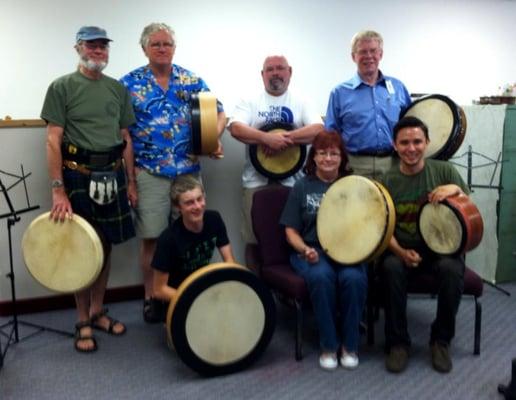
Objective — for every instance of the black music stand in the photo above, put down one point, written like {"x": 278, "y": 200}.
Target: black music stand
{"x": 13, "y": 217}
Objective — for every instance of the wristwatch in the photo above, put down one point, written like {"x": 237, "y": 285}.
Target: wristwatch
{"x": 56, "y": 183}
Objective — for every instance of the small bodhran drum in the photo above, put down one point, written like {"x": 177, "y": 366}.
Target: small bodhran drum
{"x": 280, "y": 165}
{"x": 356, "y": 219}
{"x": 446, "y": 124}
{"x": 204, "y": 123}
{"x": 63, "y": 256}
{"x": 221, "y": 319}
{"x": 451, "y": 227}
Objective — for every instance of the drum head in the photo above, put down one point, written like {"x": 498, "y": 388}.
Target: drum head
{"x": 204, "y": 123}
{"x": 63, "y": 256}
{"x": 280, "y": 165}
{"x": 355, "y": 220}
{"x": 441, "y": 228}
{"x": 221, "y": 320}
{"x": 441, "y": 116}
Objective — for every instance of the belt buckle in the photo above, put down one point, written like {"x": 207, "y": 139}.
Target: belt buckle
{"x": 72, "y": 165}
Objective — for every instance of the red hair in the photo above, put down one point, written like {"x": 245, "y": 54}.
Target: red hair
{"x": 322, "y": 141}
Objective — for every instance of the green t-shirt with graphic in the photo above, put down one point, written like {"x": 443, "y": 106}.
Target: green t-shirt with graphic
{"x": 410, "y": 192}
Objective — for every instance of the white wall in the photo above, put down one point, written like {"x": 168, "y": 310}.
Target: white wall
{"x": 462, "y": 48}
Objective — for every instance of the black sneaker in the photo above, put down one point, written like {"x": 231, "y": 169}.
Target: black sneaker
{"x": 441, "y": 360}
{"x": 397, "y": 359}
{"x": 154, "y": 311}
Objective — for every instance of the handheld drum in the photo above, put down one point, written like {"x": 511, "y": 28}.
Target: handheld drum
{"x": 355, "y": 220}
{"x": 446, "y": 124}
{"x": 204, "y": 123}
{"x": 63, "y": 256}
{"x": 221, "y": 319}
{"x": 452, "y": 227}
{"x": 282, "y": 164}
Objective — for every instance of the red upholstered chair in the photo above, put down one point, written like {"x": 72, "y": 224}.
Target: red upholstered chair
{"x": 270, "y": 257}
{"x": 427, "y": 284}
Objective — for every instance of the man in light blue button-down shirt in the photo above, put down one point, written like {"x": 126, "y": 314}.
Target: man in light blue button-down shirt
{"x": 365, "y": 108}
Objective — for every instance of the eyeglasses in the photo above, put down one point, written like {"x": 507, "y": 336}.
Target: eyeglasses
{"x": 158, "y": 45}
{"x": 324, "y": 154}
{"x": 96, "y": 45}
{"x": 372, "y": 52}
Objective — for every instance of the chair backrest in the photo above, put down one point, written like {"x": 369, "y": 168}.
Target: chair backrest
{"x": 266, "y": 211}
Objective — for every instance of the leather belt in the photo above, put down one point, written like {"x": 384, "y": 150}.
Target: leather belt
{"x": 381, "y": 153}
{"x": 83, "y": 169}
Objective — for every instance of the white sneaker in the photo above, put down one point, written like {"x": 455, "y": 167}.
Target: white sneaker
{"x": 328, "y": 361}
{"x": 349, "y": 360}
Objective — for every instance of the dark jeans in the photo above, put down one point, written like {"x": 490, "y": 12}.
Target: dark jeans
{"x": 449, "y": 272}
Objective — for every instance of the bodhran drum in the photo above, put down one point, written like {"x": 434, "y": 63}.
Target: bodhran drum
{"x": 221, "y": 319}
{"x": 62, "y": 256}
{"x": 204, "y": 123}
{"x": 451, "y": 227}
{"x": 282, "y": 164}
{"x": 446, "y": 124}
{"x": 356, "y": 219}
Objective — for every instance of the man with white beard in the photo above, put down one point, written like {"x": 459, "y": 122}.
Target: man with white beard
{"x": 89, "y": 146}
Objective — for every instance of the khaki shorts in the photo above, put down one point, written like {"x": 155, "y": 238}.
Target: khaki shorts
{"x": 154, "y": 209}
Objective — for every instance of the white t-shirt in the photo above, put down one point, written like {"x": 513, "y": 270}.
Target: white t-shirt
{"x": 265, "y": 109}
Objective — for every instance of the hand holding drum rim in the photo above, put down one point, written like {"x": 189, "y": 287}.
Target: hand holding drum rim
{"x": 440, "y": 193}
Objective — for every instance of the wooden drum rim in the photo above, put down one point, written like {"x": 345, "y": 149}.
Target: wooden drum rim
{"x": 204, "y": 123}
{"x": 470, "y": 220}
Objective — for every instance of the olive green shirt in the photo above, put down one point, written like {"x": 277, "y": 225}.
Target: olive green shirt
{"x": 92, "y": 112}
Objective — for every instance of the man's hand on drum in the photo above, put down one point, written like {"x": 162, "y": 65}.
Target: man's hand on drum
{"x": 61, "y": 207}
{"x": 444, "y": 191}
{"x": 411, "y": 258}
{"x": 276, "y": 142}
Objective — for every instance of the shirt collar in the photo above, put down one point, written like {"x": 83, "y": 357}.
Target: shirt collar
{"x": 356, "y": 81}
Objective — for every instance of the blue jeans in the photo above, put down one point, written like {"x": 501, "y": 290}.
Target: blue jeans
{"x": 335, "y": 288}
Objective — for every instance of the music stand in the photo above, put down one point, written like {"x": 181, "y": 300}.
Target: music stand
{"x": 13, "y": 217}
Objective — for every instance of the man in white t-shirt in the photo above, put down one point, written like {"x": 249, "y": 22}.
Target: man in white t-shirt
{"x": 276, "y": 104}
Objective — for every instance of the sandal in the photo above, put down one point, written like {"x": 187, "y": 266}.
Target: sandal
{"x": 112, "y": 323}
{"x": 80, "y": 337}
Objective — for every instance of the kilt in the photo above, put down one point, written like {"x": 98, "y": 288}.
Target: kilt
{"x": 114, "y": 220}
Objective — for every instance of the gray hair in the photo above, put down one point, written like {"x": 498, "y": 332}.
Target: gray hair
{"x": 365, "y": 35}
{"x": 153, "y": 28}
{"x": 183, "y": 184}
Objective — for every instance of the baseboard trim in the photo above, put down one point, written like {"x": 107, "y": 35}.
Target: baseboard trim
{"x": 59, "y": 302}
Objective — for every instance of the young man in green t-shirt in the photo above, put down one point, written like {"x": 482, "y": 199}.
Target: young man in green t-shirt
{"x": 412, "y": 183}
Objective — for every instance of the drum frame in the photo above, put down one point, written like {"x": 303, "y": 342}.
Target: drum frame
{"x": 188, "y": 291}
{"x": 253, "y": 154}
{"x": 456, "y": 137}
{"x": 204, "y": 123}
{"x": 454, "y": 206}
{"x": 388, "y": 230}
{"x": 88, "y": 229}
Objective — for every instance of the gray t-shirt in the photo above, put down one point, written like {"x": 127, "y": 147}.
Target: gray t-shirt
{"x": 300, "y": 212}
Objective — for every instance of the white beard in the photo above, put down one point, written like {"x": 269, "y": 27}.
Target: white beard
{"x": 91, "y": 65}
